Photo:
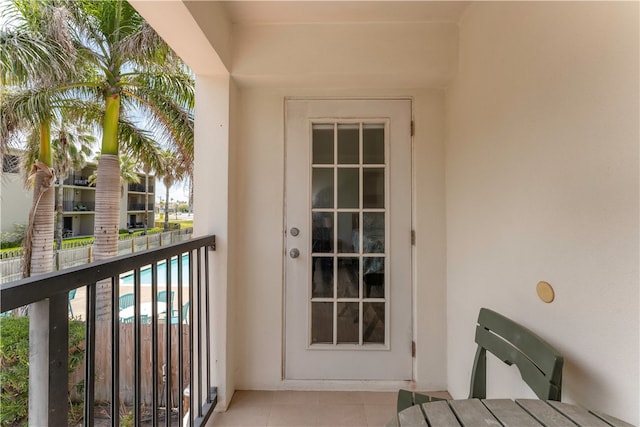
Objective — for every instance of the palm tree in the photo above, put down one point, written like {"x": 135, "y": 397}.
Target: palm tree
{"x": 35, "y": 54}
{"x": 70, "y": 153}
{"x": 172, "y": 171}
{"x": 136, "y": 73}
{"x": 70, "y": 150}
{"x": 149, "y": 155}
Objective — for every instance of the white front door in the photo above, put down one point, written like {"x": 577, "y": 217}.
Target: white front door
{"x": 348, "y": 240}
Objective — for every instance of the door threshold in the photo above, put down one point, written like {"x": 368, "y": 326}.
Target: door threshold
{"x": 344, "y": 385}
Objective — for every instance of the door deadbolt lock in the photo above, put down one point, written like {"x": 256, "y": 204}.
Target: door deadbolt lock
{"x": 294, "y": 231}
{"x": 294, "y": 253}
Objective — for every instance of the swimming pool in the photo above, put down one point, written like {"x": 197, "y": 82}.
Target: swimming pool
{"x": 145, "y": 274}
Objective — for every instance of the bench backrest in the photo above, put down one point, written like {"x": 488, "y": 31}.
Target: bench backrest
{"x": 540, "y": 364}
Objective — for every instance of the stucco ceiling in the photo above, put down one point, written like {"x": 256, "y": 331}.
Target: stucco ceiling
{"x": 283, "y": 12}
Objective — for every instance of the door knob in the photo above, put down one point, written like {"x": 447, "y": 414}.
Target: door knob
{"x": 294, "y": 253}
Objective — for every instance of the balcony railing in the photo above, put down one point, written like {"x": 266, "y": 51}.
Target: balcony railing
{"x": 78, "y": 206}
{"x": 137, "y": 187}
{"x": 174, "y": 364}
{"x": 78, "y": 180}
{"x": 140, "y": 207}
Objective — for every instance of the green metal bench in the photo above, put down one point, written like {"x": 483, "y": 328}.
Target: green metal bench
{"x": 540, "y": 365}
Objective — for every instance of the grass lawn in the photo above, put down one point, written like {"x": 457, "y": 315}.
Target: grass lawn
{"x": 184, "y": 223}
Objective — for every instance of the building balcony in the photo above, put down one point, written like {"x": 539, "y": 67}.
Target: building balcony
{"x": 140, "y": 207}
{"x": 77, "y": 180}
{"x": 164, "y": 347}
{"x": 139, "y": 188}
{"x": 78, "y": 206}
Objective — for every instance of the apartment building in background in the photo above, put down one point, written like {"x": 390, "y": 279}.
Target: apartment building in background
{"x": 78, "y": 200}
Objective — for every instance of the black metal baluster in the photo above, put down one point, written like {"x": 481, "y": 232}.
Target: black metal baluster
{"x": 58, "y": 359}
{"x": 90, "y": 357}
{"x": 137, "y": 396}
{"x": 154, "y": 343}
{"x": 179, "y": 333}
{"x": 167, "y": 353}
{"x": 115, "y": 351}
{"x": 199, "y": 345}
{"x": 194, "y": 307}
{"x": 207, "y": 324}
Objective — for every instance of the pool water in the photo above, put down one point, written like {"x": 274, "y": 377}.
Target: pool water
{"x": 145, "y": 274}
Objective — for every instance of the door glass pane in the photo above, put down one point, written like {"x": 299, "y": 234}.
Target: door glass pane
{"x": 348, "y": 144}
{"x": 348, "y": 229}
{"x": 373, "y": 322}
{"x": 322, "y": 144}
{"x": 322, "y": 233}
{"x": 353, "y": 286}
{"x": 373, "y": 144}
{"x": 322, "y": 277}
{"x": 348, "y": 323}
{"x": 373, "y": 187}
{"x": 348, "y": 188}
{"x": 373, "y": 230}
{"x": 322, "y": 323}
{"x": 348, "y": 277}
{"x": 373, "y": 277}
{"x": 322, "y": 187}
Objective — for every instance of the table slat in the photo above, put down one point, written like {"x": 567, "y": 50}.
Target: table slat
{"x": 615, "y": 422}
{"x": 472, "y": 413}
{"x": 439, "y": 414}
{"x": 393, "y": 422}
{"x": 412, "y": 416}
{"x": 544, "y": 413}
{"x": 579, "y": 415}
{"x": 510, "y": 413}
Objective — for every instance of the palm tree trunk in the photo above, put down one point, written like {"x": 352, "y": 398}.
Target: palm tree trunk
{"x": 59, "y": 215}
{"x": 42, "y": 231}
{"x": 106, "y": 246}
{"x": 39, "y": 249}
{"x": 146, "y": 201}
{"x": 106, "y": 222}
{"x": 105, "y": 229}
{"x": 166, "y": 211}
{"x": 41, "y": 262}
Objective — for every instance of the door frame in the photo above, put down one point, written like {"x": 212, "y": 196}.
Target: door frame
{"x": 375, "y": 384}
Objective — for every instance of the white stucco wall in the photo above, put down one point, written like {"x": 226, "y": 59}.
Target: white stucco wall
{"x": 347, "y": 55}
{"x": 15, "y": 201}
{"x": 542, "y": 184}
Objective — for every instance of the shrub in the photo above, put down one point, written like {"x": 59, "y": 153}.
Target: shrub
{"x": 13, "y": 239}
{"x": 14, "y": 367}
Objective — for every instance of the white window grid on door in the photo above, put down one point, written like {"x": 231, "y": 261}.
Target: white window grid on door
{"x": 335, "y": 254}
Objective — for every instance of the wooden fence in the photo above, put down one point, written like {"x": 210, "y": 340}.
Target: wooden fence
{"x": 127, "y": 364}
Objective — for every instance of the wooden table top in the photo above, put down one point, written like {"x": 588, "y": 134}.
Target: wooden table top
{"x": 502, "y": 412}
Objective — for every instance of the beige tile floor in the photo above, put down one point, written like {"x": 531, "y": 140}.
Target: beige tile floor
{"x": 308, "y": 408}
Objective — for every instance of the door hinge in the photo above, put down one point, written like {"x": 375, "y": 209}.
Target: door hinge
{"x": 413, "y": 349}
{"x": 413, "y": 127}
{"x": 413, "y": 237}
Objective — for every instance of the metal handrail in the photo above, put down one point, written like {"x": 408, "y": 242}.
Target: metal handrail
{"x": 55, "y": 287}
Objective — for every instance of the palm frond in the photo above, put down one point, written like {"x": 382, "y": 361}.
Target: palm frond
{"x": 139, "y": 144}
{"x": 167, "y": 104}
{"x": 24, "y": 58}
{"x": 39, "y": 49}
